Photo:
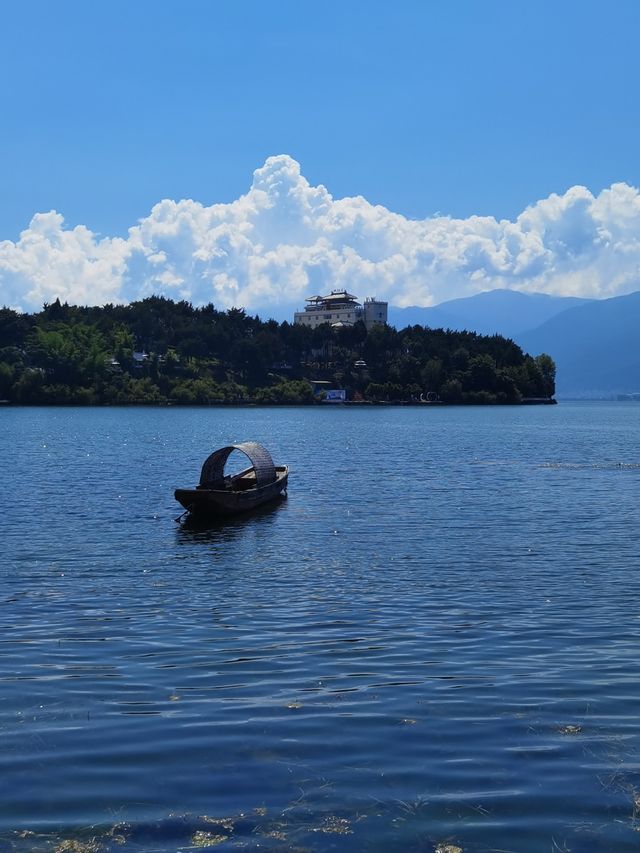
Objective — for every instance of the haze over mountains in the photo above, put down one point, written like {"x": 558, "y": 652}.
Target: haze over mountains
{"x": 503, "y": 312}
{"x": 595, "y": 347}
{"x": 595, "y": 343}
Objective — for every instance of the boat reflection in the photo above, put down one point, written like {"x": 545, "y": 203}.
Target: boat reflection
{"x": 194, "y": 529}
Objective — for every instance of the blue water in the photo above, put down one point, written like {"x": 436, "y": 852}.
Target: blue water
{"x": 433, "y": 641}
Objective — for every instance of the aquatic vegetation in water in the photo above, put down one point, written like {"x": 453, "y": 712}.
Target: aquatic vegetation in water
{"x": 227, "y": 823}
{"x": 73, "y": 845}
{"x": 276, "y": 834}
{"x": 336, "y": 825}
{"x": 207, "y": 839}
{"x": 120, "y": 832}
{"x": 570, "y": 730}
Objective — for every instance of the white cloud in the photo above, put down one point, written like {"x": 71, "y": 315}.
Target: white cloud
{"x": 285, "y": 240}
{"x": 49, "y": 260}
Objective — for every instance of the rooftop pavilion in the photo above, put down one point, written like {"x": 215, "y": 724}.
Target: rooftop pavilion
{"x": 332, "y": 300}
{"x": 341, "y": 308}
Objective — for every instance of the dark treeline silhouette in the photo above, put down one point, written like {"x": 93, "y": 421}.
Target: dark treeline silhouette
{"x": 157, "y": 351}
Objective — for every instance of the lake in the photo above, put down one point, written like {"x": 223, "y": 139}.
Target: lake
{"x": 433, "y": 641}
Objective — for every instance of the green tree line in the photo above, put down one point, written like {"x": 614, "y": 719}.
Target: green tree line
{"x": 159, "y": 351}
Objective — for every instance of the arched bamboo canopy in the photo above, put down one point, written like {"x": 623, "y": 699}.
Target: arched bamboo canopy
{"x": 212, "y": 474}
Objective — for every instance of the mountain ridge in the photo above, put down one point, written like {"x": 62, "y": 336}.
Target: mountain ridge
{"x": 594, "y": 342}
{"x": 595, "y": 346}
{"x": 501, "y": 311}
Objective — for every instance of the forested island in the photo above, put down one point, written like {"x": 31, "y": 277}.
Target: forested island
{"x": 157, "y": 351}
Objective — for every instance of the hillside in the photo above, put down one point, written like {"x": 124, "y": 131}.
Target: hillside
{"x": 595, "y": 346}
{"x": 158, "y": 351}
{"x": 502, "y": 312}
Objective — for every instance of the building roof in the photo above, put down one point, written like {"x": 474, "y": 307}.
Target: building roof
{"x": 334, "y": 296}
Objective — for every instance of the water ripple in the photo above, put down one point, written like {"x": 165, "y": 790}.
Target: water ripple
{"x": 435, "y": 645}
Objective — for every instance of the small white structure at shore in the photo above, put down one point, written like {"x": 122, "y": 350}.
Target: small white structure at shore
{"x": 340, "y": 308}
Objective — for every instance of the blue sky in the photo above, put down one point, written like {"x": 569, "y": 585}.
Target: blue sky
{"x": 460, "y": 108}
{"x": 457, "y": 107}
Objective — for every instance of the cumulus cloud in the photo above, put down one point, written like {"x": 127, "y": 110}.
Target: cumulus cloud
{"x": 285, "y": 240}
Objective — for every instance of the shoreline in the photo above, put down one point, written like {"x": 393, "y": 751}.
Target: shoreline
{"x": 321, "y": 404}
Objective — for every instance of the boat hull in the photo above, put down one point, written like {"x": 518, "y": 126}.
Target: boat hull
{"x": 222, "y": 503}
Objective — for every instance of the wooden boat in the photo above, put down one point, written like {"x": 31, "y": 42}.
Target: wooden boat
{"x": 218, "y": 495}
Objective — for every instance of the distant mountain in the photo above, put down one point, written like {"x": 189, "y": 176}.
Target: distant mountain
{"x": 504, "y": 312}
{"x": 596, "y": 347}
{"x": 594, "y": 342}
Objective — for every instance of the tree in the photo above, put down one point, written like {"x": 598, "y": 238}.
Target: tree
{"x": 64, "y": 353}
{"x": 123, "y": 343}
{"x": 451, "y": 391}
{"x": 70, "y": 355}
{"x": 431, "y": 375}
{"x": 547, "y": 368}
{"x": 481, "y": 374}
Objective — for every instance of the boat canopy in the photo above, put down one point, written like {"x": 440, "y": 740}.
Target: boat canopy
{"x": 212, "y": 474}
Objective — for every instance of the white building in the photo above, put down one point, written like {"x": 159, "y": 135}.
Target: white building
{"x": 340, "y": 308}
